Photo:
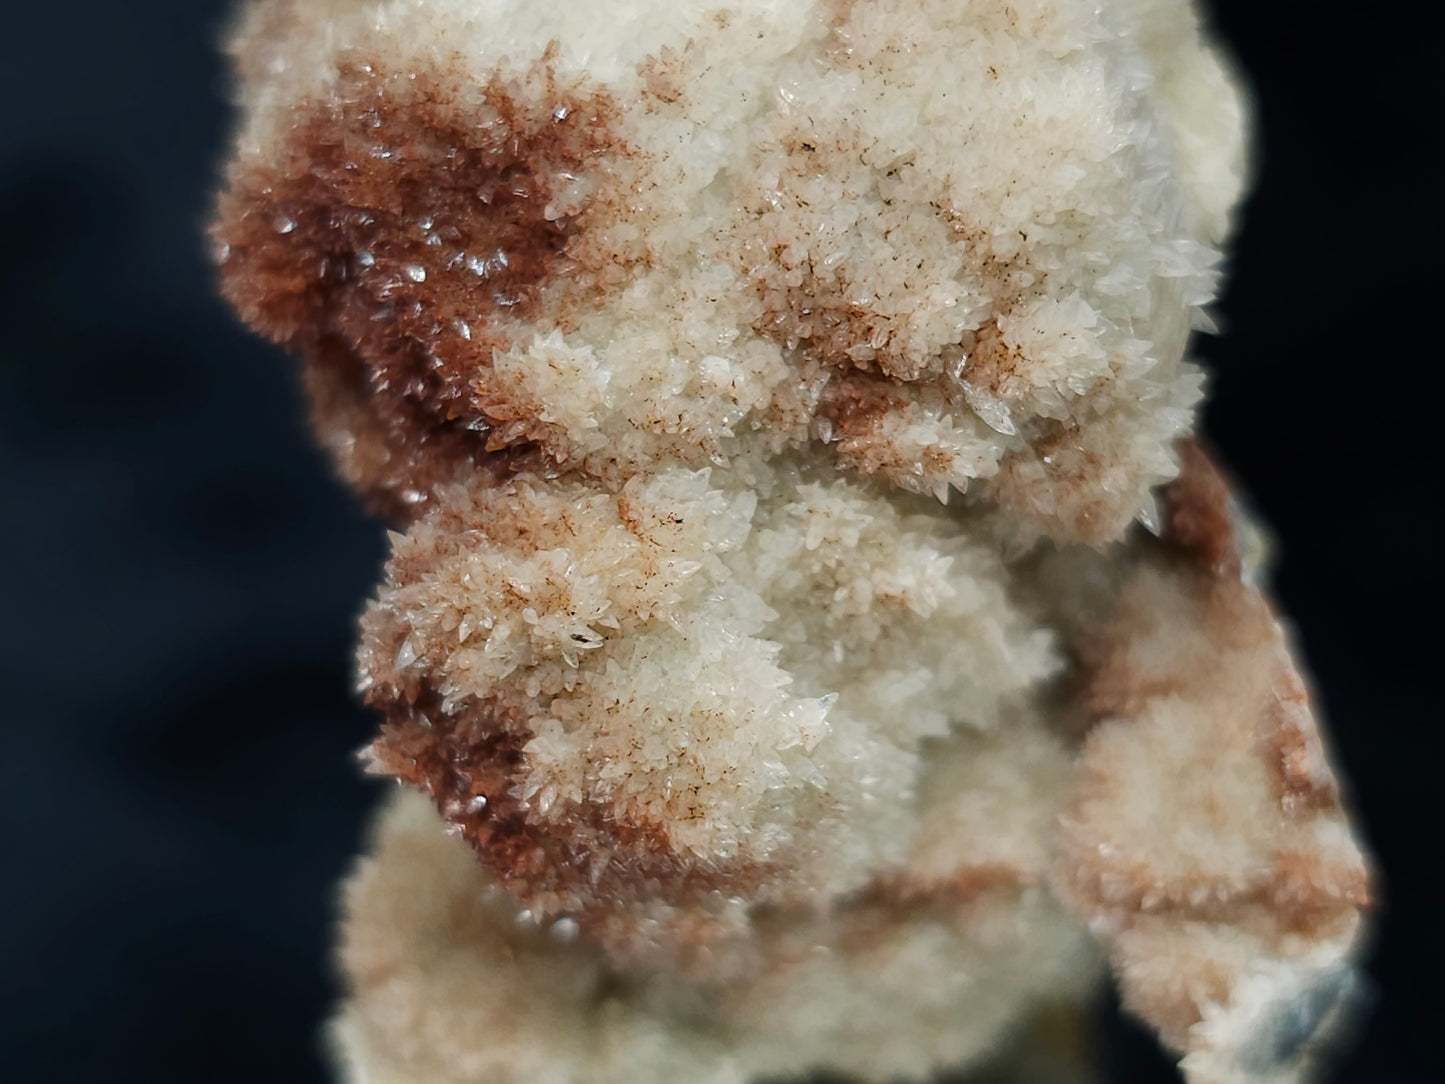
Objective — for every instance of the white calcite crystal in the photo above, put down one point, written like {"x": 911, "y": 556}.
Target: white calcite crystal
{"x": 808, "y": 616}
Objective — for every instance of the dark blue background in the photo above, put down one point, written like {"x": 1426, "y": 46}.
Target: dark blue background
{"x": 177, "y": 790}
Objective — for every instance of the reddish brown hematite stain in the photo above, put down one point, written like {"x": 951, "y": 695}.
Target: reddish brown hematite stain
{"x": 395, "y": 243}
{"x": 1197, "y": 512}
{"x": 591, "y": 864}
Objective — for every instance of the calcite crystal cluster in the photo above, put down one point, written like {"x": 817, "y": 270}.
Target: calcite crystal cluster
{"x": 811, "y": 636}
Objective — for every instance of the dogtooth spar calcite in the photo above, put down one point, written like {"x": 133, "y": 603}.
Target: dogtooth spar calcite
{"x": 808, "y": 608}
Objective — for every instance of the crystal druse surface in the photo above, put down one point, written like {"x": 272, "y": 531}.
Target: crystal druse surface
{"x": 812, "y": 637}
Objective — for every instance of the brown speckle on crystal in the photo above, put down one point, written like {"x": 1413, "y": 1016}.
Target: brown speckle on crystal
{"x": 811, "y": 612}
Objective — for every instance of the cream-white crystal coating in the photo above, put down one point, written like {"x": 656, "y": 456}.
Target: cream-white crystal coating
{"x": 769, "y": 397}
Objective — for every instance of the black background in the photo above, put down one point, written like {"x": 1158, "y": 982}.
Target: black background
{"x": 181, "y": 574}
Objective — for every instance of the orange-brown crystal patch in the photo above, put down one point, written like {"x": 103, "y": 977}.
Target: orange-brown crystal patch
{"x": 1193, "y": 680}
{"x": 1253, "y": 708}
{"x": 593, "y": 866}
{"x": 1199, "y": 523}
{"x": 393, "y": 452}
{"x": 904, "y": 890}
{"x": 1055, "y": 487}
{"x": 856, "y": 404}
{"x": 1197, "y": 512}
{"x": 392, "y": 229}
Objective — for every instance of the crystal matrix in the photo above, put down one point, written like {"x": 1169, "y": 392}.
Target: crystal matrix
{"x": 767, "y": 397}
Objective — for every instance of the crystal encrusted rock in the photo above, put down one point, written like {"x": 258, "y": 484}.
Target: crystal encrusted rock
{"x": 807, "y": 606}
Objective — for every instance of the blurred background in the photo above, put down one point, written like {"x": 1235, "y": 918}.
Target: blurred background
{"x": 178, "y": 792}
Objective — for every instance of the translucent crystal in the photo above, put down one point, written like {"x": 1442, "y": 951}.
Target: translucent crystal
{"x": 807, "y": 599}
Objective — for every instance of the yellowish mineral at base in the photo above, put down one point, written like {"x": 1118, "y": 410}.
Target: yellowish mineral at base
{"x": 812, "y": 637}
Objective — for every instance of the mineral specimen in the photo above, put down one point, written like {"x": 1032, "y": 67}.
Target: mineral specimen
{"x": 807, "y": 602}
